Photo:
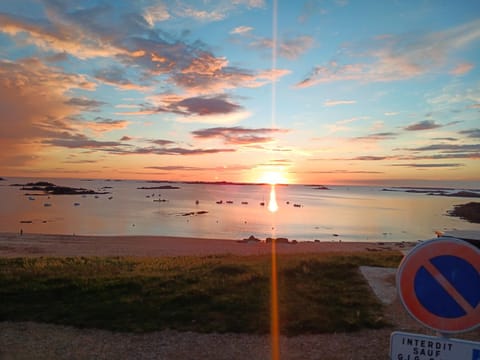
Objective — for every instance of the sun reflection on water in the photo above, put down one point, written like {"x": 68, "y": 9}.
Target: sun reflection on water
{"x": 272, "y": 202}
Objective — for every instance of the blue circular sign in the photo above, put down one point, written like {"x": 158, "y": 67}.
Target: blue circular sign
{"x": 441, "y": 300}
{"x": 439, "y": 284}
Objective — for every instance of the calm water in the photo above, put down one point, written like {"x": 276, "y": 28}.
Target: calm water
{"x": 353, "y": 213}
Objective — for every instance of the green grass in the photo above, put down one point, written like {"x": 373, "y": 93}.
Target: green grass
{"x": 205, "y": 294}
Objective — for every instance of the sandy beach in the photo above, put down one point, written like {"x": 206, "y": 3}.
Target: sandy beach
{"x": 32, "y": 245}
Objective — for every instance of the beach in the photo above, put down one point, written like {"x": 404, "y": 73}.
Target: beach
{"x": 34, "y": 245}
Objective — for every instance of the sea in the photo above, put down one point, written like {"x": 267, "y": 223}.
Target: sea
{"x": 230, "y": 211}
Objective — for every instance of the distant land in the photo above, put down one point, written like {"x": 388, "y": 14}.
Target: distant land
{"x": 473, "y": 193}
{"x": 469, "y": 212}
{"x": 51, "y": 189}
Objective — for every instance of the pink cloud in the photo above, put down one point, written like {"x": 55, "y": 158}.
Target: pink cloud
{"x": 330, "y": 103}
{"x": 399, "y": 57}
{"x": 462, "y": 69}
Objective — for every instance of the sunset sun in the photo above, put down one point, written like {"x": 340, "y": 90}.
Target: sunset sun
{"x": 273, "y": 177}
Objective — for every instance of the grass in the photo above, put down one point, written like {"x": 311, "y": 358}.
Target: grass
{"x": 317, "y": 293}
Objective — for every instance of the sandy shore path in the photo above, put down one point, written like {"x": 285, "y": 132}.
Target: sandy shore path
{"x": 16, "y": 245}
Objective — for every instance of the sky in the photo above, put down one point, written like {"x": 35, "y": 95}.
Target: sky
{"x": 308, "y": 92}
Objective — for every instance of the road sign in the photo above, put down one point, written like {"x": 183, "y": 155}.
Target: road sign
{"x": 405, "y": 346}
{"x": 438, "y": 282}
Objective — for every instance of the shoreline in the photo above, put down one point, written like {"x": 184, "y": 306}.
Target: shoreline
{"x": 36, "y": 245}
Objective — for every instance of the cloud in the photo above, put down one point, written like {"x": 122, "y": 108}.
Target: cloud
{"x": 371, "y": 158}
{"x": 238, "y": 135}
{"x": 423, "y": 125}
{"x": 215, "y": 109}
{"x": 311, "y": 8}
{"x": 345, "y": 172}
{"x": 172, "y": 151}
{"x": 471, "y": 133}
{"x": 396, "y": 57}
{"x": 330, "y": 103}
{"x": 421, "y": 166}
{"x": 33, "y": 96}
{"x": 448, "y": 148}
{"x": 101, "y": 124}
{"x": 391, "y": 113}
{"x": 215, "y": 11}
{"x": 116, "y": 76}
{"x": 125, "y": 35}
{"x": 194, "y": 168}
{"x": 154, "y": 14}
{"x": 462, "y": 69}
{"x": 162, "y": 142}
{"x": 241, "y": 30}
{"x": 456, "y": 155}
{"x": 204, "y": 106}
{"x": 61, "y": 33}
{"x": 341, "y": 124}
{"x": 290, "y": 48}
{"x": 378, "y": 136}
{"x": 82, "y": 142}
{"x": 175, "y": 168}
{"x": 85, "y": 103}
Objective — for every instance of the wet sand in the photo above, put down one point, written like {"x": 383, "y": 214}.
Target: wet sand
{"x": 34, "y": 245}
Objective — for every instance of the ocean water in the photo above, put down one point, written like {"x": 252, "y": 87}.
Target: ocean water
{"x": 346, "y": 213}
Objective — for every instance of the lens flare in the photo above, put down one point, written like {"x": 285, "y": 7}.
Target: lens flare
{"x": 274, "y": 325}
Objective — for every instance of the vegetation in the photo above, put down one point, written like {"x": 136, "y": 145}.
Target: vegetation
{"x": 204, "y": 294}
{"x": 469, "y": 212}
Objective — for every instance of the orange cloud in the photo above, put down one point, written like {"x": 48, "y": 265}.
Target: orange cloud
{"x": 33, "y": 96}
{"x": 461, "y": 69}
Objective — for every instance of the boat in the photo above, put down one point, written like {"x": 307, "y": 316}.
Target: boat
{"x": 47, "y": 204}
{"x": 76, "y": 204}
{"x": 220, "y": 202}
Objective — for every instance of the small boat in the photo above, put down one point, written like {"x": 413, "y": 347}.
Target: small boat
{"x": 31, "y": 198}
{"x": 47, "y": 204}
{"x": 197, "y": 202}
{"x": 110, "y": 197}
{"x": 297, "y": 205}
{"x": 76, "y": 204}
{"x": 262, "y": 203}
{"x": 220, "y": 202}
{"x": 229, "y": 202}
{"x": 96, "y": 196}
{"x": 244, "y": 202}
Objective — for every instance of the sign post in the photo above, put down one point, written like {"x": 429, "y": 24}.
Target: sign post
{"x": 405, "y": 346}
{"x": 438, "y": 283}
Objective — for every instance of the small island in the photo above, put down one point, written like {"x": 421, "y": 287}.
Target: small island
{"x": 163, "y": 187}
{"x": 48, "y": 188}
{"x": 438, "y": 192}
{"x": 469, "y": 212}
